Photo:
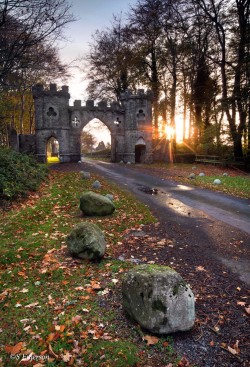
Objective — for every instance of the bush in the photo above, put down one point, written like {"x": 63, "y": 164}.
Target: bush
{"x": 19, "y": 174}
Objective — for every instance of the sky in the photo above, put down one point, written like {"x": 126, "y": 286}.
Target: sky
{"x": 91, "y": 15}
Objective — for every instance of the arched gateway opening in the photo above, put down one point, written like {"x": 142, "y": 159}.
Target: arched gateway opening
{"x": 96, "y": 140}
{"x": 52, "y": 150}
{"x": 140, "y": 150}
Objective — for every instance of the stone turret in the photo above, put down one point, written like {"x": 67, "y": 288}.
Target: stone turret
{"x": 51, "y": 118}
{"x": 138, "y": 125}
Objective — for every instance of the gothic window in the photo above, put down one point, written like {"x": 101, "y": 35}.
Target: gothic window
{"x": 140, "y": 114}
{"x": 51, "y": 112}
{"x": 117, "y": 121}
{"x": 75, "y": 122}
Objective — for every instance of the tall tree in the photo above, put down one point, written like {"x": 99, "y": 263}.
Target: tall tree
{"x": 109, "y": 63}
{"x": 145, "y": 32}
{"x": 228, "y": 19}
{"x": 24, "y": 24}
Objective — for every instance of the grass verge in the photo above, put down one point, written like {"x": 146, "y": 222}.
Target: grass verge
{"x": 60, "y": 311}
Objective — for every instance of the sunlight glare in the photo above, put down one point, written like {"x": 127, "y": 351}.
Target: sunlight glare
{"x": 179, "y": 129}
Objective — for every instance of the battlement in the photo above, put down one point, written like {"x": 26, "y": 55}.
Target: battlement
{"x": 139, "y": 93}
{"x": 102, "y": 105}
{"x": 38, "y": 91}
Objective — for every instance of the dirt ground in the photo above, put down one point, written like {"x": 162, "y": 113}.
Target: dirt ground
{"x": 221, "y": 335}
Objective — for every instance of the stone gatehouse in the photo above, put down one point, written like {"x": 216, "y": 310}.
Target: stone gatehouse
{"x": 129, "y": 123}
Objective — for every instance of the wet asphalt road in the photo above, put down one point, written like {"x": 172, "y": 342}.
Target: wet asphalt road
{"x": 213, "y": 222}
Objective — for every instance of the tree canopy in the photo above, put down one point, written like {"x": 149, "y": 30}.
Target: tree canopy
{"x": 195, "y": 57}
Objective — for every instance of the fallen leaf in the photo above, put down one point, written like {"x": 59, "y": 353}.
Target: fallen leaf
{"x": 32, "y": 305}
{"x": 85, "y": 310}
{"x": 247, "y": 309}
{"x": 14, "y": 349}
{"x": 24, "y": 290}
{"x": 95, "y": 285}
{"x": 66, "y": 357}
{"x": 200, "y": 268}
{"x": 60, "y": 328}
{"x": 231, "y": 350}
{"x": 3, "y": 295}
{"x": 151, "y": 340}
{"x": 183, "y": 362}
{"x": 51, "y": 352}
{"x": 241, "y": 303}
{"x": 76, "y": 319}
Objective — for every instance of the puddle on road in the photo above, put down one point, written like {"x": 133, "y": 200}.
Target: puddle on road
{"x": 148, "y": 190}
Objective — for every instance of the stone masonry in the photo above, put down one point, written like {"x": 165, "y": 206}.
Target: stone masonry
{"x": 129, "y": 122}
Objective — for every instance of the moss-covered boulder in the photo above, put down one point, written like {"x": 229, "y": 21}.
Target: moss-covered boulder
{"x": 94, "y": 204}
{"x": 158, "y": 299}
{"x": 86, "y": 241}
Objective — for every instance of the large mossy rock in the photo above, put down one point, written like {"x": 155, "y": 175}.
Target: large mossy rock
{"x": 96, "y": 204}
{"x": 158, "y": 299}
{"x": 86, "y": 241}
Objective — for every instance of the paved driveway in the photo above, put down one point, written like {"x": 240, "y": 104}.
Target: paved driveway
{"x": 206, "y": 219}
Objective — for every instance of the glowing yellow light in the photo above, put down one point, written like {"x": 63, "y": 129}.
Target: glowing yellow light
{"x": 179, "y": 129}
{"x": 169, "y": 132}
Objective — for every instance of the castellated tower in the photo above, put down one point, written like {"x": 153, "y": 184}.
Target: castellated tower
{"x": 52, "y": 120}
{"x": 138, "y": 126}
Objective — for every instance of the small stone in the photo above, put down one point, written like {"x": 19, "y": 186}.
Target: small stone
{"x": 85, "y": 174}
{"x": 201, "y": 174}
{"x": 217, "y": 181}
{"x": 96, "y": 185}
{"x": 191, "y": 176}
{"x": 193, "y": 167}
{"x": 128, "y": 162}
{"x": 121, "y": 162}
{"x": 86, "y": 241}
{"x": 225, "y": 174}
{"x": 110, "y": 197}
{"x": 92, "y": 203}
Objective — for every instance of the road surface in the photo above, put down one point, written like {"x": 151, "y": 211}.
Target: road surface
{"x": 216, "y": 224}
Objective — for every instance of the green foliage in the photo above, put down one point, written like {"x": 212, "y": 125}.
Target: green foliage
{"x": 19, "y": 174}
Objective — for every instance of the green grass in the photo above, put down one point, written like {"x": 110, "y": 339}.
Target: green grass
{"x": 66, "y": 311}
{"x": 238, "y": 186}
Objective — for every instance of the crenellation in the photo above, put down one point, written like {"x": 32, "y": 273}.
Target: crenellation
{"x": 90, "y": 103}
{"x": 103, "y": 104}
{"x": 77, "y": 103}
{"x": 115, "y": 105}
{"x": 65, "y": 89}
{"x": 53, "y": 87}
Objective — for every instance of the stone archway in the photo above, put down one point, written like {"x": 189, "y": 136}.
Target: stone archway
{"x": 126, "y": 120}
{"x": 96, "y": 133}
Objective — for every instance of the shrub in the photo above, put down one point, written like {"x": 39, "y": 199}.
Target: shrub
{"x": 19, "y": 174}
